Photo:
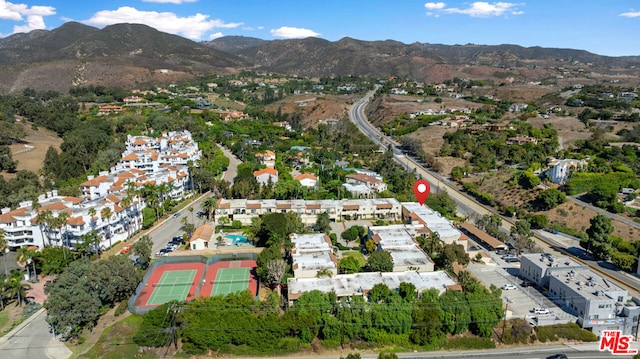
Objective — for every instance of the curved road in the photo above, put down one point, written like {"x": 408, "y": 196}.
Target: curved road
{"x": 468, "y": 206}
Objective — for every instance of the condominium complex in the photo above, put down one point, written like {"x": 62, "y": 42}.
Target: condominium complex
{"x": 244, "y": 210}
{"x": 105, "y": 205}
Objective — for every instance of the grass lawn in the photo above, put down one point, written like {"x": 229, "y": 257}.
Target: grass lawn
{"x": 4, "y": 319}
{"x": 359, "y": 256}
{"x": 116, "y": 342}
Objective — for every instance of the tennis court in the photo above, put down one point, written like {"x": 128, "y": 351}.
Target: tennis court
{"x": 229, "y": 280}
{"x": 173, "y": 285}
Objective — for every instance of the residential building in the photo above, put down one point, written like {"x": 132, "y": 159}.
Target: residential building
{"x": 598, "y": 303}
{"x": 399, "y": 241}
{"x": 244, "y": 210}
{"x": 311, "y": 255}
{"x": 359, "y": 284}
{"x": 375, "y": 184}
{"x": 201, "y": 237}
{"x": 267, "y": 158}
{"x": 266, "y": 176}
{"x": 307, "y": 180}
{"x": 358, "y": 190}
{"x": 433, "y": 222}
{"x": 22, "y": 227}
{"x": 521, "y": 140}
{"x": 560, "y": 170}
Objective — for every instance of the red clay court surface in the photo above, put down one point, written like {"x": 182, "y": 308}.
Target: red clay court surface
{"x": 206, "y": 285}
{"x": 212, "y": 271}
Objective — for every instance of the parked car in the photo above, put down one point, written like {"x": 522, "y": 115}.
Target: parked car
{"x": 176, "y": 215}
{"x": 526, "y": 283}
{"x": 125, "y": 250}
{"x": 508, "y": 287}
{"x": 541, "y": 311}
{"x": 512, "y": 260}
{"x": 558, "y": 356}
{"x": 163, "y": 252}
{"x": 172, "y": 246}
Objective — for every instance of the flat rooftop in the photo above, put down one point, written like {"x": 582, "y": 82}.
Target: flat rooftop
{"x": 590, "y": 285}
{"x": 398, "y": 241}
{"x": 360, "y": 283}
{"x": 433, "y": 220}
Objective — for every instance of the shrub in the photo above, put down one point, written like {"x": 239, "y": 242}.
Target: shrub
{"x": 122, "y": 307}
{"x": 569, "y": 331}
{"x": 464, "y": 343}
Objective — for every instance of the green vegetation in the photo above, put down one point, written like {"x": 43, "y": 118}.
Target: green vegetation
{"x": 119, "y": 336}
{"x": 469, "y": 343}
{"x": 570, "y": 331}
{"x": 397, "y": 318}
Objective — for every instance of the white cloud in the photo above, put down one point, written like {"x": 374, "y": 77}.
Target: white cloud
{"x": 631, "y": 14}
{"x": 293, "y": 32}
{"x": 476, "y": 9}
{"x": 17, "y": 12}
{"x": 192, "y": 27}
{"x": 177, "y": 2}
{"x": 435, "y": 5}
{"x": 215, "y": 36}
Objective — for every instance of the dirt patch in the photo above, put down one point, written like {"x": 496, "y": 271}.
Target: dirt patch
{"x": 30, "y": 154}
{"x": 569, "y": 214}
{"x": 313, "y": 108}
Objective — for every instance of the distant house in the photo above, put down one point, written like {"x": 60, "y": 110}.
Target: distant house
{"x": 370, "y": 181}
{"x": 109, "y": 109}
{"x": 283, "y": 124}
{"x": 307, "y": 180}
{"x": 201, "y": 237}
{"x": 268, "y": 158}
{"x": 559, "y": 170}
{"x": 266, "y": 175}
{"x": 521, "y": 140}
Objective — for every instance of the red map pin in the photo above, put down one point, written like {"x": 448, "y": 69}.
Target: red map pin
{"x": 421, "y": 189}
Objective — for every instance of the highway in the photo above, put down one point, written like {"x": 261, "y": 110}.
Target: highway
{"x": 468, "y": 207}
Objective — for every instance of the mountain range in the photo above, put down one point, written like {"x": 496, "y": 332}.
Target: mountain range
{"x": 134, "y": 55}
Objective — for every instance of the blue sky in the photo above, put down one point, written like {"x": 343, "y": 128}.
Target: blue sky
{"x": 604, "y": 27}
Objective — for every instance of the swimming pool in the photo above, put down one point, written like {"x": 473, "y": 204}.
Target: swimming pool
{"x": 237, "y": 238}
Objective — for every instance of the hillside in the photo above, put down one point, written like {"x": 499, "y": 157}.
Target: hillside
{"x": 133, "y": 55}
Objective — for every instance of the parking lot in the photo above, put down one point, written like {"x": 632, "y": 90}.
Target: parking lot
{"x": 520, "y": 301}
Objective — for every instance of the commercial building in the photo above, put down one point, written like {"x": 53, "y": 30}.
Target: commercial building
{"x": 598, "y": 303}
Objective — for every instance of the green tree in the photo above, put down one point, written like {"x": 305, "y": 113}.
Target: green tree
{"x": 379, "y": 293}
{"x": 550, "y": 198}
{"x": 379, "y": 261}
{"x": 3, "y": 247}
{"x": 521, "y": 234}
{"x": 349, "y": 265}
{"x": 323, "y": 223}
{"x": 599, "y": 240}
{"x": 142, "y": 250}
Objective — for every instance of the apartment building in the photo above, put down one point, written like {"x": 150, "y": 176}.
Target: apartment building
{"x": 433, "y": 222}
{"x": 399, "y": 241}
{"x": 113, "y": 218}
{"x": 244, "y": 210}
{"x": 311, "y": 255}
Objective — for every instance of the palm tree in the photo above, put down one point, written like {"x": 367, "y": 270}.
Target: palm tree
{"x": 126, "y": 204}
{"x": 106, "y": 214}
{"x": 209, "y": 205}
{"x": 43, "y": 220}
{"x": 92, "y": 213}
{"x": 17, "y": 287}
{"x": 3, "y": 247}
{"x": 25, "y": 257}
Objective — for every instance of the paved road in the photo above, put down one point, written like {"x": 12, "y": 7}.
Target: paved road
{"x": 467, "y": 206}
{"x": 32, "y": 339}
{"x": 613, "y": 216}
{"x": 232, "y": 170}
